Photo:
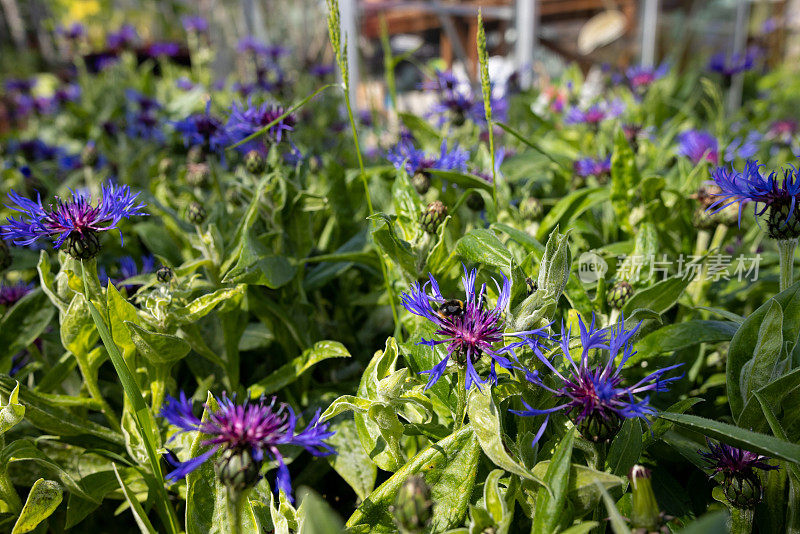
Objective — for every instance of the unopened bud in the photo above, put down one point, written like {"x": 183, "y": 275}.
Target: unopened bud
{"x": 600, "y": 428}
{"x": 413, "y": 507}
{"x": 619, "y": 294}
{"x": 196, "y": 213}
{"x": 433, "y": 216}
{"x": 237, "y": 469}
{"x": 645, "y": 513}
{"x": 83, "y": 246}
{"x": 165, "y": 274}
{"x": 780, "y": 225}
{"x": 255, "y": 162}
{"x": 743, "y": 490}
{"x": 421, "y": 182}
{"x": 531, "y": 285}
{"x": 475, "y": 202}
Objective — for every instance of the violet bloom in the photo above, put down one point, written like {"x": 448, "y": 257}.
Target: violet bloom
{"x": 10, "y": 294}
{"x": 594, "y": 114}
{"x": 735, "y": 63}
{"x": 73, "y": 32}
{"x": 469, "y": 331}
{"x": 597, "y": 167}
{"x": 458, "y": 102}
{"x": 194, "y": 24}
{"x": 776, "y": 195}
{"x": 739, "y": 470}
{"x": 782, "y": 131}
{"x": 253, "y": 431}
{"x": 322, "y": 70}
{"x": 246, "y": 120}
{"x": 744, "y": 147}
{"x": 124, "y": 38}
{"x": 163, "y": 49}
{"x": 698, "y": 145}
{"x": 641, "y": 77}
{"x": 202, "y": 129}
{"x": 414, "y": 160}
{"x": 592, "y": 391}
{"x": 74, "y": 221}
{"x": 127, "y": 269}
{"x": 143, "y": 123}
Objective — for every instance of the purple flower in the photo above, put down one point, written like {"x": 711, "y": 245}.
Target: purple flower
{"x": 594, "y": 114}
{"x": 641, "y": 77}
{"x": 698, "y": 145}
{"x": 732, "y": 461}
{"x": 322, "y": 70}
{"x": 10, "y": 294}
{"x": 73, "y": 32}
{"x": 19, "y": 85}
{"x": 735, "y": 63}
{"x": 194, "y": 24}
{"x": 245, "y": 121}
{"x": 593, "y": 393}
{"x": 404, "y": 155}
{"x": 783, "y": 131}
{"x": 202, "y": 129}
{"x": 744, "y": 147}
{"x": 251, "y": 45}
{"x": 458, "y": 103}
{"x": 127, "y": 269}
{"x": 592, "y": 166}
{"x": 125, "y": 37}
{"x": 184, "y": 84}
{"x": 164, "y": 48}
{"x": 470, "y": 330}
{"x": 143, "y": 123}
{"x": 74, "y": 220}
{"x": 751, "y": 185}
{"x": 253, "y": 428}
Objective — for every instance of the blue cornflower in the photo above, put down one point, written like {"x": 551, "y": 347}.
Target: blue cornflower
{"x": 698, "y": 145}
{"x": 414, "y": 160}
{"x": 245, "y": 120}
{"x": 782, "y": 131}
{"x": 738, "y": 467}
{"x": 744, "y": 147}
{"x": 458, "y": 102}
{"x": 735, "y": 63}
{"x": 594, "y": 114}
{"x": 471, "y": 330}
{"x": 779, "y": 196}
{"x": 640, "y": 77}
{"x": 194, "y": 24}
{"x": 75, "y": 221}
{"x": 142, "y": 119}
{"x": 597, "y": 167}
{"x": 593, "y": 394}
{"x": 127, "y": 269}
{"x": 125, "y": 37}
{"x": 10, "y": 294}
{"x": 202, "y": 129}
{"x": 163, "y": 49}
{"x": 251, "y": 430}
{"x": 73, "y": 32}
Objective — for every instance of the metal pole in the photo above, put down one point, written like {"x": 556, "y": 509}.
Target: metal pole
{"x": 526, "y": 40}
{"x": 349, "y": 18}
{"x": 739, "y": 44}
{"x": 649, "y": 32}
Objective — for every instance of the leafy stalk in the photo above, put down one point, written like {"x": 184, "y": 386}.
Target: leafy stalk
{"x": 486, "y": 89}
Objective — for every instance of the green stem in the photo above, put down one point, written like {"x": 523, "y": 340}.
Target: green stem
{"x": 235, "y": 500}
{"x": 793, "y": 508}
{"x": 786, "y": 248}
{"x": 741, "y": 520}
{"x": 461, "y": 396}
{"x": 8, "y": 493}
{"x": 90, "y": 379}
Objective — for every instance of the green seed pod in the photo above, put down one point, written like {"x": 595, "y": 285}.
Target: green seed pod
{"x": 475, "y": 202}
{"x": 413, "y": 507}
{"x": 255, "y": 162}
{"x": 645, "y": 513}
{"x": 421, "y": 182}
{"x": 237, "y": 469}
{"x": 433, "y": 216}
{"x": 779, "y": 225}
{"x": 531, "y": 209}
{"x": 83, "y": 246}
{"x": 619, "y": 294}
{"x": 196, "y": 213}
{"x": 165, "y": 274}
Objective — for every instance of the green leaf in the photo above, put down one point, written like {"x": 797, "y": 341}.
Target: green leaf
{"x": 11, "y": 412}
{"x": 23, "y": 324}
{"x": 660, "y": 426}
{"x": 738, "y": 437}
{"x": 549, "y": 507}
{"x": 555, "y": 266}
{"x": 226, "y": 298}
{"x": 485, "y": 421}
{"x": 782, "y": 394}
{"x": 350, "y": 460}
{"x": 43, "y": 499}
{"x": 582, "y": 491}
{"x": 288, "y": 373}
{"x": 257, "y": 266}
{"x": 449, "y": 467}
{"x": 624, "y": 178}
{"x": 680, "y": 336}
{"x": 710, "y": 523}
{"x": 398, "y": 250}
{"x": 626, "y": 448}
{"x": 763, "y": 367}
{"x": 421, "y": 129}
{"x": 618, "y": 524}
{"x": 467, "y": 181}
{"x": 25, "y": 450}
{"x": 120, "y": 311}
{"x": 315, "y": 515}
{"x": 139, "y": 515}
{"x": 158, "y": 349}
{"x": 484, "y": 247}
{"x": 571, "y": 207}
{"x": 659, "y": 297}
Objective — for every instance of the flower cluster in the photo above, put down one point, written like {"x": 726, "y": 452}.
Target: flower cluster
{"x": 592, "y": 390}
{"x": 248, "y": 435}
{"x": 698, "y": 145}
{"x": 246, "y": 120}
{"x": 468, "y": 328}
{"x": 594, "y": 114}
{"x": 640, "y": 77}
{"x": 74, "y": 221}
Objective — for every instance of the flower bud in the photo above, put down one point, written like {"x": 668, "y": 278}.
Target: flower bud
{"x": 779, "y": 224}
{"x": 5, "y": 256}
{"x": 196, "y": 213}
{"x": 165, "y": 274}
{"x": 89, "y": 154}
{"x": 531, "y": 209}
{"x": 433, "y": 216}
{"x": 531, "y": 285}
{"x": 255, "y": 163}
{"x": 599, "y": 428}
{"x": 475, "y": 202}
{"x": 645, "y": 513}
{"x": 421, "y": 182}
{"x": 413, "y": 507}
{"x": 619, "y": 294}
{"x": 743, "y": 490}
{"x": 237, "y": 469}
{"x": 197, "y": 174}
{"x": 83, "y": 246}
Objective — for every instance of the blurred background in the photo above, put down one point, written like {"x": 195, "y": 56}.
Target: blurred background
{"x": 530, "y": 41}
